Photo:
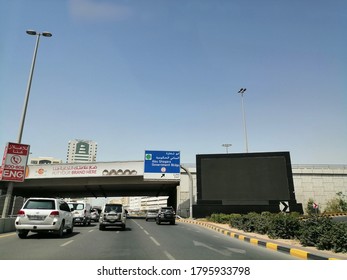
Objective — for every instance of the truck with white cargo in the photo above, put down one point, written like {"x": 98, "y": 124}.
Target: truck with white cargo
{"x": 81, "y": 212}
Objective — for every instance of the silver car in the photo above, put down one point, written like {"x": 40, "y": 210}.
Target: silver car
{"x": 44, "y": 215}
{"x": 151, "y": 215}
{"x": 112, "y": 215}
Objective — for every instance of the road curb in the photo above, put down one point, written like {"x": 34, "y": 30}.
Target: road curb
{"x": 268, "y": 245}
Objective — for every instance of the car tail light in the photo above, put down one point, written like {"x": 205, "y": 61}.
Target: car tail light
{"x": 54, "y": 214}
{"x": 21, "y": 213}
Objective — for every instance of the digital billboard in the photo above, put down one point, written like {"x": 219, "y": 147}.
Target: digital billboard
{"x": 240, "y": 178}
{"x": 243, "y": 183}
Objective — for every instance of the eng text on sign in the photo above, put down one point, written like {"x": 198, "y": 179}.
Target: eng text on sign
{"x": 14, "y": 162}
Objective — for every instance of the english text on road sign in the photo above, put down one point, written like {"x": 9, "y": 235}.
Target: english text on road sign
{"x": 162, "y": 165}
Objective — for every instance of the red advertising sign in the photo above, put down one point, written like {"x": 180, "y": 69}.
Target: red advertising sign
{"x": 14, "y": 162}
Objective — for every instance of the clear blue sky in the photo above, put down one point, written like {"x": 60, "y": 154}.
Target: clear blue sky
{"x": 164, "y": 75}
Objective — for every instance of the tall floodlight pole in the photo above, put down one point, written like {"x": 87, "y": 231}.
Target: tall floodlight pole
{"x": 242, "y": 91}
{"x": 21, "y": 126}
{"x": 227, "y": 147}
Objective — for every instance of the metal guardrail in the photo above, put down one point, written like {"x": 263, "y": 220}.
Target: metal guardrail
{"x": 15, "y": 205}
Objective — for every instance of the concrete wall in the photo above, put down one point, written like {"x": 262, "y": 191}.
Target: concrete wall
{"x": 7, "y": 225}
{"x": 317, "y": 182}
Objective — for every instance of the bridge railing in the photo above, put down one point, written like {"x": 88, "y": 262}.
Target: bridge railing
{"x": 15, "y": 205}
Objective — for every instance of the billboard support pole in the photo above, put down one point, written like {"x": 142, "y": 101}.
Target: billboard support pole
{"x": 190, "y": 191}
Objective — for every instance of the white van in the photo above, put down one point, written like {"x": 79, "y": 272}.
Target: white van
{"x": 81, "y": 212}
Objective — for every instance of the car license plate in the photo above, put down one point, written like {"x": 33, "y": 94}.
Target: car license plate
{"x": 36, "y": 217}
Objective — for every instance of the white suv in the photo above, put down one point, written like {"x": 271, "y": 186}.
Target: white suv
{"x": 112, "y": 215}
{"x": 44, "y": 215}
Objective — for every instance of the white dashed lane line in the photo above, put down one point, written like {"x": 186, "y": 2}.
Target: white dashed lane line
{"x": 155, "y": 241}
{"x": 66, "y": 243}
{"x": 167, "y": 254}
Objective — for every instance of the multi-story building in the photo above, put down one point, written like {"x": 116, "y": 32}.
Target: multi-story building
{"x": 148, "y": 202}
{"x": 81, "y": 151}
{"x": 141, "y": 204}
{"x": 135, "y": 203}
{"x": 45, "y": 160}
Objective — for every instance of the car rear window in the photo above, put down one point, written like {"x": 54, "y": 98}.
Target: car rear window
{"x": 40, "y": 204}
{"x": 113, "y": 207}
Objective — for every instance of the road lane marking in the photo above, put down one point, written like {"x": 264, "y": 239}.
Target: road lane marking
{"x": 138, "y": 225}
{"x": 238, "y": 251}
{"x": 7, "y": 235}
{"x": 146, "y": 232}
{"x": 91, "y": 230}
{"x": 170, "y": 257}
{"x": 66, "y": 243}
{"x": 155, "y": 241}
{"x": 200, "y": 244}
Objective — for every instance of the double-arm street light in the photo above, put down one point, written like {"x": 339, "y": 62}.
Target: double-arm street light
{"x": 227, "y": 147}
{"x": 19, "y": 138}
{"x": 242, "y": 91}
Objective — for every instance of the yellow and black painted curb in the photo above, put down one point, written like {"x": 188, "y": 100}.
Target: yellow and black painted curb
{"x": 269, "y": 245}
{"x": 334, "y": 214}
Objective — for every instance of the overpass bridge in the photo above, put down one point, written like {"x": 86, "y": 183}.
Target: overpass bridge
{"x": 97, "y": 179}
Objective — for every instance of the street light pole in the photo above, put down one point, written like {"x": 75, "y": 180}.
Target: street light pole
{"x": 21, "y": 126}
{"x": 30, "y": 32}
{"x": 242, "y": 91}
{"x": 227, "y": 146}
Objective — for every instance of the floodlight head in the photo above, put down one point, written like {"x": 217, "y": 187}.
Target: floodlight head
{"x": 31, "y": 32}
{"x": 242, "y": 90}
{"x": 47, "y": 34}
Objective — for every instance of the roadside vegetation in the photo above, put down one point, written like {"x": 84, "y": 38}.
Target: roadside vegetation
{"x": 313, "y": 229}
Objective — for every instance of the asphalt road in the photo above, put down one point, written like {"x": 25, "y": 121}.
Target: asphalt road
{"x": 340, "y": 219}
{"x": 140, "y": 241}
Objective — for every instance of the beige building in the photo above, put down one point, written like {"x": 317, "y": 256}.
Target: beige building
{"x": 81, "y": 151}
{"x": 44, "y": 160}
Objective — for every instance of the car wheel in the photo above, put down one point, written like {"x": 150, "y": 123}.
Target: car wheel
{"x": 101, "y": 227}
{"x": 172, "y": 222}
{"x": 22, "y": 234}
{"x": 60, "y": 231}
{"x": 70, "y": 230}
{"x": 158, "y": 222}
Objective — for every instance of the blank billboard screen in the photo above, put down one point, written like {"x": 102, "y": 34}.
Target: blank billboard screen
{"x": 244, "y": 177}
